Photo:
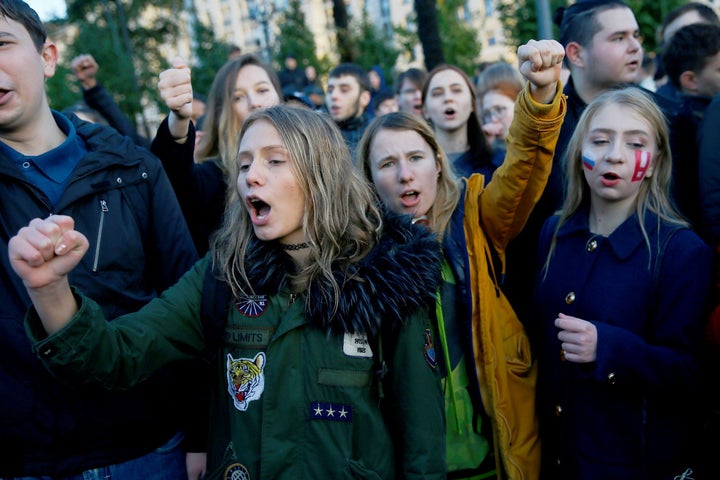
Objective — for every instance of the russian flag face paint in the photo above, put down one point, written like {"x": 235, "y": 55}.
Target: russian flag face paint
{"x": 642, "y": 163}
{"x": 588, "y": 159}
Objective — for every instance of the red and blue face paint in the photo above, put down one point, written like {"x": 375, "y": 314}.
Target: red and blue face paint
{"x": 588, "y": 160}
{"x": 643, "y": 159}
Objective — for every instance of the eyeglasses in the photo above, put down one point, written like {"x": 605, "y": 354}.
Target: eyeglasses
{"x": 410, "y": 92}
{"x": 494, "y": 112}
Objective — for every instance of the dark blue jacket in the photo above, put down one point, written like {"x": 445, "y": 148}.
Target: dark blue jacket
{"x": 122, "y": 201}
{"x": 632, "y": 408}
{"x": 199, "y": 187}
{"x": 521, "y": 252}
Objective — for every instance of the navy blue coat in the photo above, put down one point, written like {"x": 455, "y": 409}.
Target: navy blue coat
{"x": 631, "y": 408}
{"x": 122, "y": 201}
{"x": 200, "y": 187}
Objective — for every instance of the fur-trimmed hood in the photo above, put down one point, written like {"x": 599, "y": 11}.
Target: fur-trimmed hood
{"x": 399, "y": 276}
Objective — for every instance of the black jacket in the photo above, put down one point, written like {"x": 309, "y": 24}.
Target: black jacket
{"x": 199, "y": 187}
{"x": 122, "y": 201}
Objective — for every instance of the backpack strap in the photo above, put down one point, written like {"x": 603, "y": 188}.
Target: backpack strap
{"x": 214, "y": 307}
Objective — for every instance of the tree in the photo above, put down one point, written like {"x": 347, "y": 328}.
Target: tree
{"x": 125, "y": 38}
{"x": 460, "y": 43}
{"x": 373, "y": 47}
{"x": 342, "y": 31}
{"x": 520, "y": 21}
{"x": 428, "y": 32}
{"x": 296, "y": 38}
{"x": 209, "y": 56}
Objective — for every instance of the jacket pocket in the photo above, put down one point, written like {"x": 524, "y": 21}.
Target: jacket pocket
{"x": 518, "y": 355}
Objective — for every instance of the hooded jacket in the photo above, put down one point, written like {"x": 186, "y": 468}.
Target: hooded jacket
{"x": 122, "y": 201}
{"x": 297, "y": 393}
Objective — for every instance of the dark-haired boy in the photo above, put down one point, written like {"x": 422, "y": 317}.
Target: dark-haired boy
{"x": 120, "y": 197}
{"x": 347, "y": 97}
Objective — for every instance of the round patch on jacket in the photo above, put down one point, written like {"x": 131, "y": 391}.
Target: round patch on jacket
{"x": 252, "y": 305}
{"x": 237, "y": 471}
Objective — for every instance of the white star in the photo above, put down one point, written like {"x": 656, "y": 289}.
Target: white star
{"x": 343, "y": 413}
{"x": 331, "y": 412}
{"x": 318, "y": 411}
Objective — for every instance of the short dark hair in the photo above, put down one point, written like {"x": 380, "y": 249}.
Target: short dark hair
{"x": 21, "y": 12}
{"x": 380, "y": 97}
{"x": 415, "y": 75}
{"x": 689, "y": 49}
{"x": 352, "y": 70}
{"x": 578, "y": 22}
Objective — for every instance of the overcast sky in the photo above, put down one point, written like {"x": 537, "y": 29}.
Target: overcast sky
{"x": 48, "y": 9}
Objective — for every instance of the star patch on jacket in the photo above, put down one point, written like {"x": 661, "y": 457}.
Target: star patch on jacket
{"x": 334, "y": 412}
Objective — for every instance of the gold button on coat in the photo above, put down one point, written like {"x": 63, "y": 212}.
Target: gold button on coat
{"x": 570, "y": 298}
{"x": 592, "y": 245}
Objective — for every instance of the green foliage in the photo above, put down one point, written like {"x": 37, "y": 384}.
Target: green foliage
{"x": 210, "y": 56}
{"x": 520, "y": 20}
{"x": 649, "y": 16}
{"x": 461, "y": 46}
{"x": 372, "y": 47}
{"x": 296, "y": 37}
{"x": 460, "y": 43}
{"x": 62, "y": 89}
{"x": 125, "y": 38}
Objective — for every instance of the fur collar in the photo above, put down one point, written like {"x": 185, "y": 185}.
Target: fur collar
{"x": 399, "y": 276}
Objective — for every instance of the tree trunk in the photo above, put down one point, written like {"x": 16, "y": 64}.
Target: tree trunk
{"x": 429, "y": 32}
{"x": 340, "y": 16}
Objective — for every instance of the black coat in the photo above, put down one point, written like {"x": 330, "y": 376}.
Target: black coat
{"x": 122, "y": 202}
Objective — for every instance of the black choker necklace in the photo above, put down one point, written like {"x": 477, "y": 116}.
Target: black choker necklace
{"x": 292, "y": 247}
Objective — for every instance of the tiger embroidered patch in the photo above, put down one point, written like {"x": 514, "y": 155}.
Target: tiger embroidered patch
{"x": 246, "y": 379}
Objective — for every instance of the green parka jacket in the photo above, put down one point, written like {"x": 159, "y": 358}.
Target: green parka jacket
{"x": 297, "y": 395}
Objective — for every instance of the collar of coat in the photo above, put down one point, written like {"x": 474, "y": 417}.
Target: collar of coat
{"x": 398, "y": 277}
{"x": 627, "y": 237}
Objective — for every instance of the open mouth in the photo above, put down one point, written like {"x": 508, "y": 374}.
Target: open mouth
{"x": 260, "y": 208}
{"x": 410, "y": 194}
{"x": 449, "y": 111}
{"x": 610, "y": 179}
{"x": 410, "y": 199}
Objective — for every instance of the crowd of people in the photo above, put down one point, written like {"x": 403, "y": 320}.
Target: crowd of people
{"x": 510, "y": 276}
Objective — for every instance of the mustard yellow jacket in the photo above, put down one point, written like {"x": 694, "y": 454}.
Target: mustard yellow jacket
{"x": 492, "y": 216}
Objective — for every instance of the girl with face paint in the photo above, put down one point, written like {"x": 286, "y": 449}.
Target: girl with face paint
{"x": 619, "y": 304}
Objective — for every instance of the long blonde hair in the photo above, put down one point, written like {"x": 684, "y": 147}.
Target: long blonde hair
{"x": 653, "y": 195}
{"x": 448, "y": 189}
{"x": 341, "y": 221}
{"x": 222, "y": 125}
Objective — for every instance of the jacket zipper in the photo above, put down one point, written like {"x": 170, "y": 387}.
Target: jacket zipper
{"x": 103, "y": 210}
